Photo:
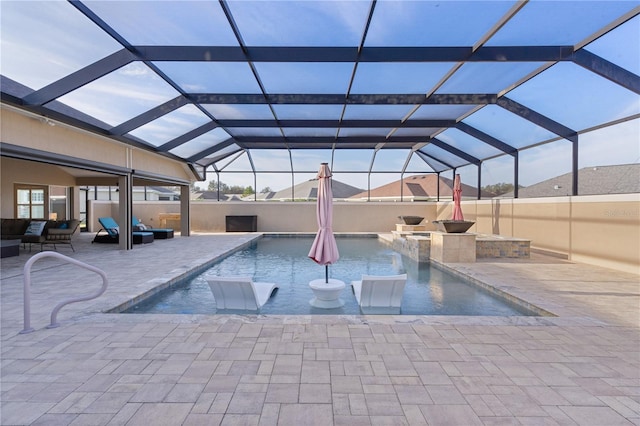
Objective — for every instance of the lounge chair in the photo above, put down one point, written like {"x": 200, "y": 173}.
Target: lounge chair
{"x": 240, "y": 292}
{"x": 112, "y": 233}
{"x": 158, "y": 233}
{"x": 379, "y": 294}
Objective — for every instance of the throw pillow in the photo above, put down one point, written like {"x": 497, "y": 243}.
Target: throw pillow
{"x": 35, "y": 228}
{"x": 141, "y": 226}
{"x": 64, "y": 225}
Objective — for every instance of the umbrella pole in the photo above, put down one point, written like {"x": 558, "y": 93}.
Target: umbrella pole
{"x": 326, "y": 274}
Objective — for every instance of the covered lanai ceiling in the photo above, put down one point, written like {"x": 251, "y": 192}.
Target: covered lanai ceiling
{"x": 451, "y": 83}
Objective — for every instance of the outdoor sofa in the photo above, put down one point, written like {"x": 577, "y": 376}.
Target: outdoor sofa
{"x": 35, "y": 231}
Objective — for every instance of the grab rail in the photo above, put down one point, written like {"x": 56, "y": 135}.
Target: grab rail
{"x": 54, "y": 313}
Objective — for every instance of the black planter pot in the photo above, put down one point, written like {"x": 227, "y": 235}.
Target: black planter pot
{"x": 411, "y": 220}
{"x": 453, "y": 226}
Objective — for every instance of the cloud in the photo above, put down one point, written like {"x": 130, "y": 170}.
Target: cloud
{"x": 44, "y": 41}
{"x": 135, "y": 69}
{"x": 306, "y": 23}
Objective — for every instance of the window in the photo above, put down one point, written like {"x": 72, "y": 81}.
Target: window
{"x": 30, "y": 202}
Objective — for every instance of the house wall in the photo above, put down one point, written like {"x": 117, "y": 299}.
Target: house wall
{"x": 23, "y": 129}
{"x": 28, "y": 130}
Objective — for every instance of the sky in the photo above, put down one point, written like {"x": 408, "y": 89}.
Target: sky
{"x": 614, "y": 145}
{"x": 43, "y": 41}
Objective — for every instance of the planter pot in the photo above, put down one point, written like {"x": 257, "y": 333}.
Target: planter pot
{"x": 411, "y": 220}
{"x": 453, "y": 226}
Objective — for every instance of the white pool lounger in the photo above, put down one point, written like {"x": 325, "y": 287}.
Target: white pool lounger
{"x": 240, "y": 292}
{"x": 379, "y": 292}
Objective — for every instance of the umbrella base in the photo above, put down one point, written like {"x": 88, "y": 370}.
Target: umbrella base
{"x": 326, "y": 294}
{"x": 326, "y": 304}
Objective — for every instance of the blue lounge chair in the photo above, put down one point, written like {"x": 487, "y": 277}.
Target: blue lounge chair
{"x": 112, "y": 233}
{"x": 158, "y": 233}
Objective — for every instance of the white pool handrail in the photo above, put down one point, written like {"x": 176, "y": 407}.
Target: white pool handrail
{"x": 54, "y": 313}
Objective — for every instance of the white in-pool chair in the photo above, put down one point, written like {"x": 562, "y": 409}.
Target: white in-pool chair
{"x": 379, "y": 294}
{"x": 240, "y": 292}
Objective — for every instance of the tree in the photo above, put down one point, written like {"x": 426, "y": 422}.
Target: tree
{"x": 224, "y": 188}
{"x": 266, "y": 190}
{"x": 234, "y": 189}
{"x": 499, "y": 188}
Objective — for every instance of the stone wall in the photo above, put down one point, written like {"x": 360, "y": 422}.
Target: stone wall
{"x": 495, "y": 247}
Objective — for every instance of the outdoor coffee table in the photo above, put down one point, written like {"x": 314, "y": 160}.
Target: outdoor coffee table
{"x": 9, "y": 248}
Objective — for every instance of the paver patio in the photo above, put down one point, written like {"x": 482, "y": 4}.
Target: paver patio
{"x": 581, "y": 367}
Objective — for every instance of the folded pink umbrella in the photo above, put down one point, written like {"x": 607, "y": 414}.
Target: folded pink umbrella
{"x": 457, "y": 196}
{"x": 324, "y": 249}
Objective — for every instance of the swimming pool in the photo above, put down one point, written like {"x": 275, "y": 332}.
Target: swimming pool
{"x": 283, "y": 260}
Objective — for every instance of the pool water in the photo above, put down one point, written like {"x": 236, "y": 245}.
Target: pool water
{"x": 283, "y": 260}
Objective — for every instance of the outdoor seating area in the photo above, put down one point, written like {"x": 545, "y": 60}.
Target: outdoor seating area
{"x": 49, "y": 232}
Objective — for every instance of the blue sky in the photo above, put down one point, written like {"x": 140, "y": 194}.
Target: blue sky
{"x": 42, "y": 42}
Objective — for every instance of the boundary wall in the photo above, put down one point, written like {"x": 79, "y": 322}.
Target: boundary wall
{"x": 602, "y": 230}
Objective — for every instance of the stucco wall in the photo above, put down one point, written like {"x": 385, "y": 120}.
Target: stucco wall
{"x": 301, "y": 216}
{"x": 30, "y": 131}
{"x": 599, "y": 229}
{"x": 606, "y": 233}
{"x": 209, "y": 216}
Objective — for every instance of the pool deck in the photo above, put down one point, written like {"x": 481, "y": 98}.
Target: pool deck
{"x": 580, "y": 367}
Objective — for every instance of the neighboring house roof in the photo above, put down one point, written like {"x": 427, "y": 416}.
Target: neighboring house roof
{"x": 208, "y": 195}
{"x": 261, "y": 196}
{"x": 163, "y": 189}
{"x": 309, "y": 191}
{"x": 418, "y": 187}
{"x": 115, "y": 188}
{"x": 213, "y": 195}
{"x": 618, "y": 179}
